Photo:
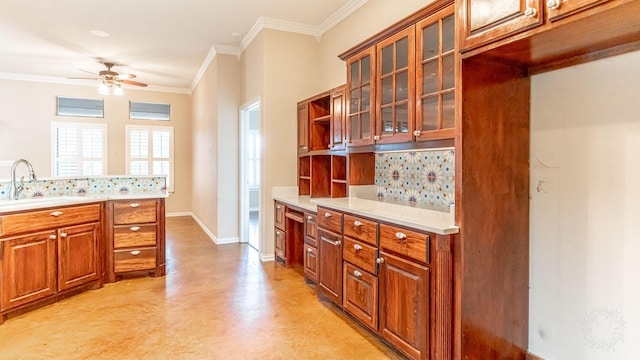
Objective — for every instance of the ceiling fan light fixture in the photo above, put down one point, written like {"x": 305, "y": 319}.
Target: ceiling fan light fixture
{"x": 117, "y": 90}
{"x": 103, "y": 89}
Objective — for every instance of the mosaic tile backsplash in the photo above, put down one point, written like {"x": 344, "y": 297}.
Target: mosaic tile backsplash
{"x": 423, "y": 178}
{"x": 95, "y": 186}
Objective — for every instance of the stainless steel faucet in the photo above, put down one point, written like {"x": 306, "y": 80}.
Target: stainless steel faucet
{"x": 17, "y": 189}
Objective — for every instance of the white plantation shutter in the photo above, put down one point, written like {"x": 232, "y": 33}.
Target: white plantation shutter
{"x": 78, "y": 149}
{"x": 150, "y": 151}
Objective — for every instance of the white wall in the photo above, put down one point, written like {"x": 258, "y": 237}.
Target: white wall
{"x": 585, "y": 211}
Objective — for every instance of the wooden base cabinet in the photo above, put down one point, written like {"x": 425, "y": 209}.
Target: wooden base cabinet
{"x": 404, "y": 305}
{"x": 361, "y": 295}
{"x": 78, "y": 255}
{"x": 330, "y": 276}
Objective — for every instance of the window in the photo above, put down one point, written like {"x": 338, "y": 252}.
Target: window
{"x": 79, "y": 107}
{"x": 150, "y": 151}
{"x": 149, "y": 111}
{"x": 78, "y": 149}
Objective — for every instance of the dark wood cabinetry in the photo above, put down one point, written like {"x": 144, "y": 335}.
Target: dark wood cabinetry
{"x": 78, "y": 255}
{"x": 361, "y": 87}
{"x": 311, "y": 261}
{"x": 330, "y": 248}
{"x": 361, "y": 295}
{"x": 303, "y": 127}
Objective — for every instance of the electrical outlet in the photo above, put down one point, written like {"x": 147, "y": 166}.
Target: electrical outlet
{"x": 82, "y": 184}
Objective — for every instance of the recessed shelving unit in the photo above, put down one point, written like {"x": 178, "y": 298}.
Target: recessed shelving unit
{"x": 321, "y": 176}
{"x": 320, "y": 116}
{"x": 338, "y": 176}
{"x": 304, "y": 175}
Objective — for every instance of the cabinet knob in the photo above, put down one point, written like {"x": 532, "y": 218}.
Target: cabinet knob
{"x": 530, "y": 12}
{"x": 52, "y": 237}
{"x": 553, "y": 4}
{"x": 134, "y": 205}
{"x": 357, "y": 223}
{"x": 357, "y": 247}
{"x": 304, "y": 148}
{"x": 278, "y": 233}
{"x": 278, "y": 207}
{"x": 380, "y": 260}
{"x": 63, "y": 235}
{"x": 401, "y": 235}
{"x": 327, "y": 215}
{"x": 416, "y": 133}
{"x": 376, "y": 137}
{"x": 134, "y": 228}
{"x": 309, "y": 217}
{"x": 357, "y": 273}
{"x": 309, "y": 250}
{"x": 56, "y": 213}
{"x": 135, "y": 252}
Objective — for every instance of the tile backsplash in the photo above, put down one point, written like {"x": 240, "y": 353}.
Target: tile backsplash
{"x": 94, "y": 186}
{"x": 422, "y": 178}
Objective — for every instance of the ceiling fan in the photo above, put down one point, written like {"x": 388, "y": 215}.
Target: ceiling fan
{"x": 109, "y": 79}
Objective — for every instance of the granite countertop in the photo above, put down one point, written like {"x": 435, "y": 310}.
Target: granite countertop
{"x": 53, "y": 201}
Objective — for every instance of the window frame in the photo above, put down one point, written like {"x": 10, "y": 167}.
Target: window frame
{"x": 149, "y": 118}
{"x": 170, "y": 178}
{"x": 58, "y": 98}
{"x": 80, "y": 158}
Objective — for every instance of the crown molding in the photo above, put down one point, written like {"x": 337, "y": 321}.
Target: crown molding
{"x": 203, "y": 68}
{"x": 78, "y": 82}
{"x": 341, "y": 14}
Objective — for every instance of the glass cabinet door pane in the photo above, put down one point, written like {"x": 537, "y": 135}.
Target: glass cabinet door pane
{"x": 355, "y": 101}
{"x": 448, "y": 78}
{"x": 354, "y": 127}
{"x": 366, "y": 126}
{"x": 430, "y": 113}
{"x": 402, "y": 86}
{"x": 402, "y": 53}
{"x": 402, "y": 118}
{"x": 430, "y": 40}
{"x": 355, "y": 73}
{"x": 366, "y": 98}
{"x": 448, "y": 110}
{"x": 387, "y": 59}
{"x": 387, "y": 90}
{"x": 448, "y": 33}
{"x": 387, "y": 121}
{"x": 365, "y": 69}
{"x": 430, "y": 77}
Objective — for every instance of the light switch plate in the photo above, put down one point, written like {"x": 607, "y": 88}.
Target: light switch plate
{"x": 82, "y": 184}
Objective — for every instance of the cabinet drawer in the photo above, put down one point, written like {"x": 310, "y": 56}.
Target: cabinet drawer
{"x": 47, "y": 219}
{"x": 134, "y": 259}
{"x": 278, "y": 211}
{"x": 280, "y": 246}
{"x": 361, "y": 295}
{"x": 329, "y": 220}
{"x": 311, "y": 262}
{"x": 360, "y": 254}
{"x": 310, "y": 230}
{"x": 134, "y": 236}
{"x": 361, "y": 229}
{"x": 134, "y": 212}
{"x": 409, "y": 243}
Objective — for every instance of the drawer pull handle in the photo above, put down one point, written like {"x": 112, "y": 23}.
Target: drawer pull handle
{"x": 327, "y": 215}
{"x": 56, "y": 213}
{"x": 134, "y": 205}
{"x": 52, "y": 237}
{"x": 278, "y": 207}
{"x": 135, "y": 252}
{"x": 357, "y": 223}
{"x": 553, "y": 4}
{"x": 134, "y": 228}
{"x": 336, "y": 243}
{"x": 357, "y": 273}
{"x": 357, "y": 247}
{"x": 401, "y": 235}
{"x": 380, "y": 260}
{"x": 63, "y": 235}
{"x": 309, "y": 217}
{"x": 530, "y": 12}
{"x": 278, "y": 233}
{"x": 309, "y": 250}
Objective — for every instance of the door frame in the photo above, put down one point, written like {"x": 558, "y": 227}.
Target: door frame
{"x": 245, "y": 109}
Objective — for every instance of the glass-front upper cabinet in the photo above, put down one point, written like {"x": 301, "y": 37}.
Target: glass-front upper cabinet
{"x": 396, "y": 88}
{"x": 360, "y": 92}
{"x": 436, "y": 76}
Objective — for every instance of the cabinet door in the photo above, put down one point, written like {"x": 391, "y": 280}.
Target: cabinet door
{"x": 280, "y": 245}
{"x": 337, "y": 126}
{"x": 360, "y": 96}
{"x": 303, "y": 127}
{"x": 311, "y": 262}
{"x": 278, "y": 211}
{"x": 404, "y": 305}
{"x": 310, "y": 230}
{"x": 28, "y": 268}
{"x": 395, "y": 77}
{"x": 557, "y": 9}
{"x": 361, "y": 295}
{"x": 436, "y": 76}
{"x": 78, "y": 260}
{"x": 489, "y": 20}
{"x": 330, "y": 276}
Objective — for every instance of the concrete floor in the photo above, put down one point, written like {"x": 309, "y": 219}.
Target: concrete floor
{"x": 216, "y": 302}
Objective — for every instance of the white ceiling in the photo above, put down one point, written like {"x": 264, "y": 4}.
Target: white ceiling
{"x": 163, "y": 42}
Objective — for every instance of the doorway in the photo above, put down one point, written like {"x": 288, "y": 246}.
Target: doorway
{"x": 250, "y": 151}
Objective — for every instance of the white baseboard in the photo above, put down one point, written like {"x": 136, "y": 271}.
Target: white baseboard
{"x": 233, "y": 240}
{"x": 204, "y": 228}
{"x": 267, "y": 258}
{"x": 177, "y": 214}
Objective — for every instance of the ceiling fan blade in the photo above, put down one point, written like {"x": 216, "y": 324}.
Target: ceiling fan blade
{"x": 131, "y": 82}
{"x": 88, "y": 72}
{"x": 125, "y": 76}
{"x": 83, "y": 78}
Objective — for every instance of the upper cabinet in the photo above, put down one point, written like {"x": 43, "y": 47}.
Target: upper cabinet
{"x": 321, "y": 122}
{"x": 487, "y": 20}
{"x": 436, "y": 76}
{"x": 411, "y": 82}
{"x": 303, "y": 127}
{"x": 360, "y": 92}
{"x": 558, "y": 9}
{"x": 337, "y": 127}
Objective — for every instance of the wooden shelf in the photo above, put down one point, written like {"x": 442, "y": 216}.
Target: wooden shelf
{"x": 322, "y": 119}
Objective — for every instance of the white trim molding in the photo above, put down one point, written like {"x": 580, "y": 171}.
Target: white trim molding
{"x": 267, "y": 258}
